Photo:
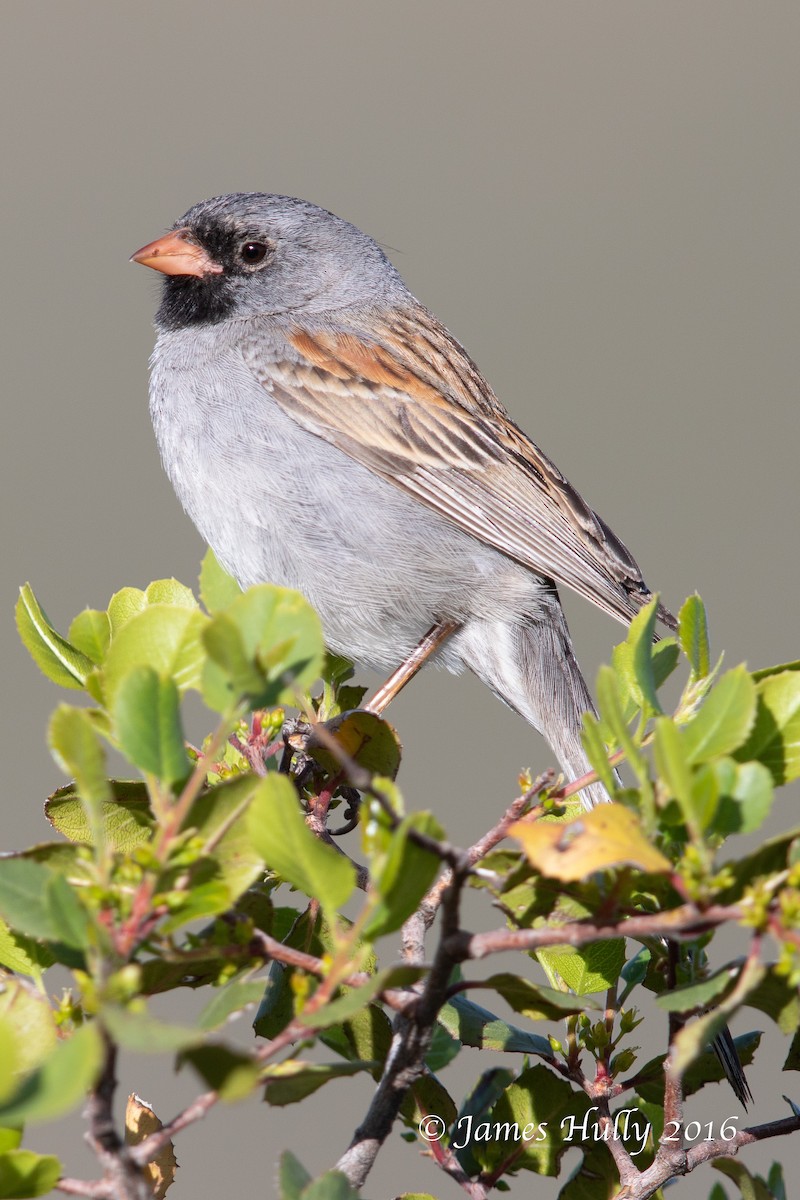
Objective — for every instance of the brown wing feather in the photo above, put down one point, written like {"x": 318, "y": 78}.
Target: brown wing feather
{"x": 411, "y": 405}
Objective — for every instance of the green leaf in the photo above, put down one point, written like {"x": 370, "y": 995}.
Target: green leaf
{"x": 292, "y": 1080}
{"x": 771, "y": 856}
{"x": 674, "y": 769}
{"x": 640, "y": 639}
{"x": 364, "y": 737}
{"x": 276, "y": 1009}
{"x": 218, "y": 589}
{"x": 77, "y": 748}
{"x": 540, "y": 1103}
{"x": 764, "y": 672}
{"x": 23, "y": 897}
{"x": 30, "y": 1019}
{"x": 10, "y": 1139}
{"x": 366, "y": 1036}
{"x": 228, "y": 1000}
{"x": 126, "y": 817}
{"x": 594, "y": 1177}
{"x": 231, "y": 674}
{"x": 164, "y": 637}
{"x": 725, "y": 719}
{"x": 219, "y": 817}
{"x": 697, "y": 996}
{"x": 266, "y": 647}
{"x": 70, "y": 919}
{"x": 750, "y": 1186}
{"x": 664, "y": 657}
{"x": 292, "y": 1177}
{"x": 693, "y": 1038}
{"x": 538, "y": 1003}
{"x": 775, "y": 738}
{"x": 200, "y": 900}
{"x": 22, "y": 954}
{"x": 60, "y": 1083}
{"x": 124, "y": 605}
{"x": 172, "y": 592}
{"x": 24, "y": 1173}
{"x": 612, "y": 714}
{"x": 279, "y": 833}
{"x": 693, "y": 636}
{"x": 635, "y": 970}
{"x": 776, "y": 997}
{"x": 148, "y": 722}
{"x": 129, "y": 602}
{"x": 9, "y": 1060}
{"x": 61, "y": 859}
{"x": 792, "y": 1061}
{"x": 332, "y": 1185}
{"x": 597, "y": 752}
{"x": 427, "y": 1095}
{"x": 296, "y": 1184}
{"x": 225, "y": 1070}
{"x": 488, "y": 1089}
{"x": 145, "y": 1034}
{"x": 351, "y": 1000}
{"x": 90, "y": 633}
{"x": 593, "y": 968}
{"x": 443, "y": 1050}
{"x": 746, "y": 795}
{"x": 476, "y": 1026}
{"x": 403, "y": 875}
{"x": 55, "y": 657}
{"x": 776, "y": 1182}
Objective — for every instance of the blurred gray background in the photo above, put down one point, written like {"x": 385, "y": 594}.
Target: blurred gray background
{"x": 600, "y": 200}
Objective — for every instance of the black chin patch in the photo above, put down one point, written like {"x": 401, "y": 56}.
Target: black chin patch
{"x": 188, "y": 300}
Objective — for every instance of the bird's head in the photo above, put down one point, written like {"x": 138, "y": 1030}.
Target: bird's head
{"x": 252, "y": 253}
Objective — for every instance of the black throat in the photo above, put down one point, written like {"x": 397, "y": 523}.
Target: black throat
{"x": 187, "y": 300}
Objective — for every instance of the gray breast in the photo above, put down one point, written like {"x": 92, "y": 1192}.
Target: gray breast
{"x": 278, "y": 504}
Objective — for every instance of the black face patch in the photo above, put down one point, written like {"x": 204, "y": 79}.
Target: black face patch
{"x": 208, "y": 299}
{"x": 189, "y": 300}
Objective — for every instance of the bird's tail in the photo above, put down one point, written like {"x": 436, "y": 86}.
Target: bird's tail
{"x": 725, "y": 1049}
{"x": 531, "y": 666}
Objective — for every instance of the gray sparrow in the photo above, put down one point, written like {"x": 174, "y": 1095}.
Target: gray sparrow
{"x": 324, "y": 431}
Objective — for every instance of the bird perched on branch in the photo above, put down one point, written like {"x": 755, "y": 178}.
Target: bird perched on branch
{"x": 324, "y": 431}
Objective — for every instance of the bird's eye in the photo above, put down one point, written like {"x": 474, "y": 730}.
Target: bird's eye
{"x": 253, "y": 253}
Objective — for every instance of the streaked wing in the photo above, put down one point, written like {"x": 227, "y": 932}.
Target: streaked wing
{"x": 409, "y": 404}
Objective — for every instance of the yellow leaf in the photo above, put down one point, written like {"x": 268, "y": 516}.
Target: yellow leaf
{"x": 366, "y": 738}
{"x": 607, "y": 836}
{"x": 140, "y": 1122}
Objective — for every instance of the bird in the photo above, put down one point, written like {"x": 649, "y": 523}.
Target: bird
{"x": 324, "y": 431}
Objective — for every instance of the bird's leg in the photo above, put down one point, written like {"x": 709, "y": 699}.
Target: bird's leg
{"x": 436, "y": 636}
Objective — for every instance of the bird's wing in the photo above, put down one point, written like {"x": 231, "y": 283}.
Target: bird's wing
{"x": 409, "y": 404}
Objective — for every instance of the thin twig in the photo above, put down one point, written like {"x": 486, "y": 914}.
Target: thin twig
{"x": 411, "y": 1040}
{"x": 686, "y": 921}
{"x": 121, "y": 1173}
{"x": 478, "y": 850}
{"x": 616, "y": 1146}
{"x": 646, "y": 1183}
{"x": 92, "y": 1189}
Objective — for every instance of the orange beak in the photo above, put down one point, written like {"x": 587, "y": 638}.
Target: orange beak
{"x": 172, "y": 254}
